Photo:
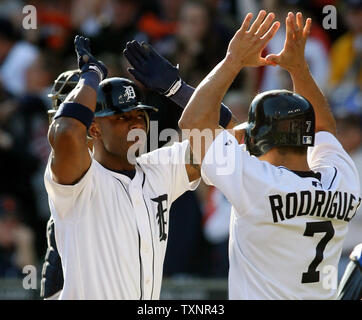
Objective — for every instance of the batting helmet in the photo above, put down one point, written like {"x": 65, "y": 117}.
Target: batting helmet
{"x": 114, "y": 95}
{"x": 117, "y": 95}
{"x": 62, "y": 86}
{"x": 279, "y": 118}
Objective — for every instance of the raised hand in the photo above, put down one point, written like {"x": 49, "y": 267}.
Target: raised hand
{"x": 86, "y": 62}
{"x": 246, "y": 46}
{"x": 291, "y": 58}
{"x": 152, "y": 70}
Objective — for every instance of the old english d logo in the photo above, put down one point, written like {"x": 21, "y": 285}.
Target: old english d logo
{"x": 128, "y": 94}
{"x": 161, "y": 215}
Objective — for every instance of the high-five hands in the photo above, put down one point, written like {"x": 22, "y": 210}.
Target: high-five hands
{"x": 246, "y": 47}
{"x": 291, "y": 58}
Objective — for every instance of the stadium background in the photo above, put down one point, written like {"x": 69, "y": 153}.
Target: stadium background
{"x": 195, "y": 35}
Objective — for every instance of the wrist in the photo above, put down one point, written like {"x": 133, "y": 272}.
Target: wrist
{"x": 300, "y": 70}
{"x": 232, "y": 64}
{"x": 174, "y": 88}
{"x": 91, "y": 78}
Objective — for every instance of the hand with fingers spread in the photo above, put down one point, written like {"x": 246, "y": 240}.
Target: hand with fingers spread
{"x": 291, "y": 58}
{"x": 246, "y": 46}
{"x": 86, "y": 62}
{"x": 152, "y": 70}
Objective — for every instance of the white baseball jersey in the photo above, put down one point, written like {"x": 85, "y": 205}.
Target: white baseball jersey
{"x": 286, "y": 228}
{"x": 112, "y": 231}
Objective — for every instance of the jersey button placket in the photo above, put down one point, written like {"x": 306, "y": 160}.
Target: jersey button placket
{"x": 146, "y": 238}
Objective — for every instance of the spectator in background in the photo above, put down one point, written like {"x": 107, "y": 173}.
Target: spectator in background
{"x": 193, "y": 46}
{"x": 120, "y": 28}
{"x": 24, "y": 158}
{"x": 40, "y": 74}
{"x": 346, "y": 63}
{"x": 54, "y": 28}
{"x": 12, "y": 9}
{"x": 15, "y": 57}
{"x": 89, "y": 16}
{"x": 349, "y": 133}
{"x": 113, "y": 63}
{"x": 159, "y": 23}
{"x": 16, "y": 239}
{"x": 345, "y": 84}
{"x": 224, "y": 15}
{"x": 17, "y": 164}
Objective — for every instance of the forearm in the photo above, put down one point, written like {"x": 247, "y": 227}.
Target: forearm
{"x": 68, "y": 135}
{"x": 305, "y": 85}
{"x": 84, "y": 95}
{"x": 203, "y": 109}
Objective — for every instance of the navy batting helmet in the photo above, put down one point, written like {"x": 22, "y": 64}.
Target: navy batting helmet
{"x": 114, "y": 95}
{"x": 117, "y": 95}
{"x": 279, "y": 118}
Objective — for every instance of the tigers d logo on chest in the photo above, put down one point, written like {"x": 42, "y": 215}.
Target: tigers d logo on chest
{"x": 161, "y": 209}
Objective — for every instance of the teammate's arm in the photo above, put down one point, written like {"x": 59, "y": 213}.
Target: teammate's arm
{"x": 67, "y": 134}
{"x": 202, "y": 111}
{"x": 292, "y": 59}
{"x": 156, "y": 73}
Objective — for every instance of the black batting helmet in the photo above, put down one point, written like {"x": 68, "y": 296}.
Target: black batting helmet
{"x": 279, "y": 118}
{"x": 114, "y": 95}
{"x": 118, "y": 95}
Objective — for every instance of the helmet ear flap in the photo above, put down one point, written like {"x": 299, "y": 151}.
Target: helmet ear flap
{"x": 250, "y": 144}
{"x": 147, "y": 121}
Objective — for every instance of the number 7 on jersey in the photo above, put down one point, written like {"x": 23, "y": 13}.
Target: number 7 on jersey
{"x": 315, "y": 227}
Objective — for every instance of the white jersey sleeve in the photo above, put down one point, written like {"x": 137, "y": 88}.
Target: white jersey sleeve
{"x": 328, "y": 152}
{"x": 169, "y": 162}
{"x": 228, "y": 166}
{"x": 63, "y": 197}
{"x": 278, "y": 214}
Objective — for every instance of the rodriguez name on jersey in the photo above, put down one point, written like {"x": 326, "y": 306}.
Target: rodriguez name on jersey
{"x": 331, "y": 204}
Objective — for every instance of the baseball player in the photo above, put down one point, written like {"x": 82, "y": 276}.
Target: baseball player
{"x": 292, "y": 187}
{"x": 110, "y": 215}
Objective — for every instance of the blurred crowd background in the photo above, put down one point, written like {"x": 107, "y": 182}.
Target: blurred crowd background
{"x": 191, "y": 33}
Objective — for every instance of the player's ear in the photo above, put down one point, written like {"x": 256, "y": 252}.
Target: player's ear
{"x": 239, "y": 134}
{"x": 94, "y": 131}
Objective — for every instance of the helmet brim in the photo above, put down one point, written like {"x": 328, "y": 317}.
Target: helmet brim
{"x": 107, "y": 112}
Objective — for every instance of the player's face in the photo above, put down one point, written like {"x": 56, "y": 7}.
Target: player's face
{"x": 117, "y": 135}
